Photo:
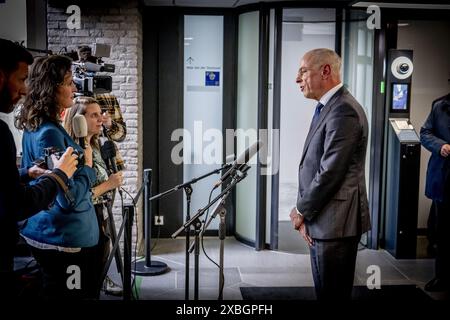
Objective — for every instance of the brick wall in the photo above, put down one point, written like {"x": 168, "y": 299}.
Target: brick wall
{"x": 120, "y": 26}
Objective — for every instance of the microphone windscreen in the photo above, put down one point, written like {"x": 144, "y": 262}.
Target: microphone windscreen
{"x": 79, "y": 126}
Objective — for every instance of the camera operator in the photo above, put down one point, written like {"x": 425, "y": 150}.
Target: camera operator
{"x": 103, "y": 186}
{"x": 112, "y": 115}
{"x": 17, "y": 200}
{"x": 67, "y": 233}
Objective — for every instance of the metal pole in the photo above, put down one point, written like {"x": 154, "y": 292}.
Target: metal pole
{"x": 149, "y": 267}
{"x": 128, "y": 216}
{"x": 188, "y": 191}
{"x": 222, "y": 236}
{"x": 198, "y": 225}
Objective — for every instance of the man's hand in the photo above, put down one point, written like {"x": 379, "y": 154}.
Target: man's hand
{"x": 445, "y": 150}
{"x": 305, "y": 235}
{"x": 298, "y": 224}
{"x": 67, "y": 163}
{"x": 106, "y": 119}
{"x": 35, "y": 172}
{"x": 296, "y": 219}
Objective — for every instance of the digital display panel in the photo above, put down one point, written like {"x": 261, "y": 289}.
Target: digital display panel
{"x": 400, "y": 97}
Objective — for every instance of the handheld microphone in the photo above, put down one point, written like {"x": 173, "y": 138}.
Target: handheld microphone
{"x": 241, "y": 161}
{"x": 80, "y": 130}
{"x": 108, "y": 151}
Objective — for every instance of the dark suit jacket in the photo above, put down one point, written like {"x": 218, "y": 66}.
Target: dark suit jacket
{"x": 433, "y": 135}
{"x": 332, "y": 190}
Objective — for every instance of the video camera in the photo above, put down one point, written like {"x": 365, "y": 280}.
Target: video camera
{"x": 47, "y": 162}
{"x": 84, "y": 71}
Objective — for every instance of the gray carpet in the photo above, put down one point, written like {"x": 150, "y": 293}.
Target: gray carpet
{"x": 386, "y": 293}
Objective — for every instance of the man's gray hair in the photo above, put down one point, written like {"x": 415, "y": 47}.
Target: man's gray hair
{"x": 325, "y": 56}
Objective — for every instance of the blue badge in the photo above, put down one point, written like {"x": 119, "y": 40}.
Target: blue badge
{"x": 212, "y": 78}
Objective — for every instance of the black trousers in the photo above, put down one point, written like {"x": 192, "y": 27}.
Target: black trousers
{"x": 442, "y": 233}
{"x": 105, "y": 238}
{"x": 333, "y": 267}
{"x": 56, "y": 272}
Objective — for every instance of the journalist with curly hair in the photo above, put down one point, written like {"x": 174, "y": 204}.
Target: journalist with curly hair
{"x": 64, "y": 238}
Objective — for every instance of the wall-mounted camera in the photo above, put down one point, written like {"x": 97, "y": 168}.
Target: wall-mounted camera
{"x": 398, "y": 82}
{"x": 402, "y": 67}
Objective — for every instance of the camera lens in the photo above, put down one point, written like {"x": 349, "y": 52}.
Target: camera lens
{"x": 403, "y": 68}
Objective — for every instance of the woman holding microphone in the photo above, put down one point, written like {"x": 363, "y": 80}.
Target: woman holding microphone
{"x": 102, "y": 189}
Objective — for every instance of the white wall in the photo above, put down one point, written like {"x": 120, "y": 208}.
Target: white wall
{"x": 430, "y": 43}
{"x": 13, "y": 26}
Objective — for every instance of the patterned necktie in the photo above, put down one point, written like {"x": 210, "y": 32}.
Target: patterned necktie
{"x": 316, "y": 115}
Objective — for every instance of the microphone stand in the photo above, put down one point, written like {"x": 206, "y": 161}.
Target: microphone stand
{"x": 195, "y": 220}
{"x": 187, "y": 186}
{"x": 220, "y": 209}
{"x": 127, "y": 225}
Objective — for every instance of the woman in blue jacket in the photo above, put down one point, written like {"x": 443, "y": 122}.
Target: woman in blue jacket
{"x": 63, "y": 238}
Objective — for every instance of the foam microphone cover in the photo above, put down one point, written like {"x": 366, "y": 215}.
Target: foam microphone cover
{"x": 79, "y": 126}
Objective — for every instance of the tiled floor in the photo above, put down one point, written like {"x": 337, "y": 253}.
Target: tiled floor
{"x": 243, "y": 266}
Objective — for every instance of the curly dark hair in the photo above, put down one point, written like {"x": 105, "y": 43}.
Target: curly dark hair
{"x": 46, "y": 75}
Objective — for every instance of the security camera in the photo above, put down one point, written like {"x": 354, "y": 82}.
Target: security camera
{"x": 402, "y": 67}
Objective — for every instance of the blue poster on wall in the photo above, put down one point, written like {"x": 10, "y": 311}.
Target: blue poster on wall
{"x": 212, "y": 78}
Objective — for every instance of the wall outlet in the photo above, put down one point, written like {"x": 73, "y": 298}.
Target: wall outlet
{"x": 159, "y": 220}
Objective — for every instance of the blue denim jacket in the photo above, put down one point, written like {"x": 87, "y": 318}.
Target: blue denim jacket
{"x": 71, "y": 224}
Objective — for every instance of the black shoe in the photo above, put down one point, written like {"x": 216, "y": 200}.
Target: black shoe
{"x": 112, "y": 288}
{"x": 436, "y": 285}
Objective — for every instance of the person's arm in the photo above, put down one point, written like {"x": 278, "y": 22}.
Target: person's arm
{"x": 24, "y": 176}
{"x": 343, "y": 135}
{"x": 32, "y": 173}
{"x": 18, "y": 199}
{"x": 37, "y": 197}
{"x": 114, "y": 181}
{"x": 428, "y": 137}
{"x": 79, "y": 185}
{"x": 117, "y": 131}
{"x": 115, "y": 128}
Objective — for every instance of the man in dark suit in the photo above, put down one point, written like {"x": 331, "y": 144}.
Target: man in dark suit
{"x": 435, "y": 137}
{"x": 332, "y": 209}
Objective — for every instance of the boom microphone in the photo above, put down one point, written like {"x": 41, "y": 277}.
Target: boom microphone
{"x": 80, "y": 130}
{"x": 241, "y": 161}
